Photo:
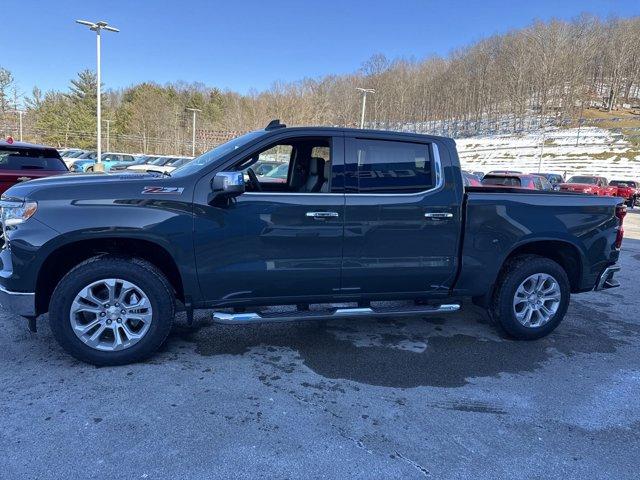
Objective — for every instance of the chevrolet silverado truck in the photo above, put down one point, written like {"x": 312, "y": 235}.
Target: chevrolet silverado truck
{"x": 367, "y": 223}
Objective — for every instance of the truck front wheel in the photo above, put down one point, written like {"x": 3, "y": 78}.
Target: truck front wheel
{"x": 531, "y": 297}
{"x": 112, "y": 310}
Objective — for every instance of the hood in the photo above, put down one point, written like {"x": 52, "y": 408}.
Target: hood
{"x": 25, "y": 189}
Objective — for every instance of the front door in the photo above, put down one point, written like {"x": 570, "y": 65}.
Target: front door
{"x": 402, "y": 220}
{"x": 281, "y": 239}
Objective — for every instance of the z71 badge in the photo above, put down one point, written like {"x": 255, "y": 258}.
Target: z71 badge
{"x": 176, "y": 190}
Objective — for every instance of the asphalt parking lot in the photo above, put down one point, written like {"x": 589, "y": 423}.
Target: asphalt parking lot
{"x": 442, "y": 397}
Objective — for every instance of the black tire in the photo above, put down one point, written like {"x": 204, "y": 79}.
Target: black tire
{"x": 89, "y": 169}
{"x": 143, "y": 274}
{"x": 513, "y": 274}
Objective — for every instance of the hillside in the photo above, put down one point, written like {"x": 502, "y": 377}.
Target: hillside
{"x": 588, "y": 150}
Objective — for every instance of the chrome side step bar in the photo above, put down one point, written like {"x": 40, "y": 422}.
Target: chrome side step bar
{"x": 296, "y": 316}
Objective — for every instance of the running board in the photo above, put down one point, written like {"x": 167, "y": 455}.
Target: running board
{"x": 296, "y": 316}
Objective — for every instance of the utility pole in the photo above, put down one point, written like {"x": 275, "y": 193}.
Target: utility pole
{"x": 193, "y": 133}
{"x": 20, "y": 113}
{"x": 108, "y": 129}
{"x": 98, "y": 27}
{"x": 580, "y": 122}
{"x": 364, "y": 102}
{"x": 541, "y": 153}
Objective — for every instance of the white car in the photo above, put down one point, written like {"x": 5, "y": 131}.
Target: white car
{"x": 162, "y": 164}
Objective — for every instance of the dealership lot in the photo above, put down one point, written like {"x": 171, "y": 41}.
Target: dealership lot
{"x": 413, "y": 398}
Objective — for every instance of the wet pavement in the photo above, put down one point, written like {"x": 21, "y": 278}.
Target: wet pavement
{"x": 440, "y": 397}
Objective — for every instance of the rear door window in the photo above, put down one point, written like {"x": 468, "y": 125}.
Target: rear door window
{"x": 30, "y": 159}
{"x": 383, "y": 166}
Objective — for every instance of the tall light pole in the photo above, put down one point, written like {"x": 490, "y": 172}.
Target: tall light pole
{"x": 108, "y": 125}
{"x": 20, "y": 113}
{"x": 98, "y": 27}
{"x": 193, "y": 133}
{"x": 364, "y": 102}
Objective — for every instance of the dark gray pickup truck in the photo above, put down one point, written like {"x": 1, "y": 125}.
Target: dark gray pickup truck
{"x": 351, "y": 222}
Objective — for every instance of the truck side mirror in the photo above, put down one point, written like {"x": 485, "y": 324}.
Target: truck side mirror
{"x": 228, "y": 184}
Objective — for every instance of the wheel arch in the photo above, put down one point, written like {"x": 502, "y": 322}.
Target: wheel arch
{"x": 64, "y": 257}
{"x": 567, "y": 254}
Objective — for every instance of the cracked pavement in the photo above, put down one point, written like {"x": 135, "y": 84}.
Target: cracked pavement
{"x": 439, "y": 397}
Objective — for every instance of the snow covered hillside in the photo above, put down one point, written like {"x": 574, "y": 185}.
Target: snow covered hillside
{"x": 598, "y": 152}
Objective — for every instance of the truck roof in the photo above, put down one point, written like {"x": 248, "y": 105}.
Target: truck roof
{"x": 355, "y": 131}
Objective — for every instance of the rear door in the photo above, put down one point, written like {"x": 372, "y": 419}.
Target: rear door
{"x": 402, "y": 219}
{"x": 20, "y": 164}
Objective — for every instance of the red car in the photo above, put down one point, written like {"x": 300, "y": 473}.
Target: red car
{"x": 592, "y": 185}
{"x": 20, "y": 162}
{"x": 470, "y": 180}
{"x": 627, "y": 189}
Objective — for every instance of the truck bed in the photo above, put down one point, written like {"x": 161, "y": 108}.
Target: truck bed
{"x": 499, "y": 220}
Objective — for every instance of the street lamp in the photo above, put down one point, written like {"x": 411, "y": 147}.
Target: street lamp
{"x": 364, "y": 102}
{"x": 108, "y": 125}
{"x": 20, "y": 113}
{"x": 98, "y": 27}
{"x": 193, "y": 134}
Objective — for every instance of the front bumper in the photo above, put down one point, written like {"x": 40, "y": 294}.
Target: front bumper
{"x": 606, "y": 279}
{"x": 18, "y": 302}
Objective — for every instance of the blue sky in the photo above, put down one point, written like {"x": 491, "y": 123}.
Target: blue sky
{"x": 243, "y": 45}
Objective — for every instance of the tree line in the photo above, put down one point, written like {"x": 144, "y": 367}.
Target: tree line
{"x": 547, "y": 72}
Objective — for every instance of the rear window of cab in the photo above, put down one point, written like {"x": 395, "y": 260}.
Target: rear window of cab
{"x": 15, "y": 158}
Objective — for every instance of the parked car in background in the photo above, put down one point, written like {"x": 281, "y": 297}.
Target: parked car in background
{"x": 506, "y": 172}
{"x": 157, "y": 165}
{"x": 478, "y": 174}
{"x": 555, "y": 179}
{"x": 541, "y": 182}
{"x": 70, "y": 158}
{"x": 21, "y": 161}
{"x": 171, "y": 165}
{"x": 589, "y": 184}
{"x": 84, "y": 159}
{"x": 264, "y": 167}
{"x": 138, "y": 160}
{"x": 276, "y": 175}
{"x": 627, "y": 189}
{"x": 470, "y": 179}
{"x": 70, "y": 152}
{"x": 108, "y": 159}
{"x": 511, "y": 180}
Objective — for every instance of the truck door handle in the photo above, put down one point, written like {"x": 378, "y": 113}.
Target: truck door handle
{"x": 321, "y": 215}
{"x": 438, "y": 215}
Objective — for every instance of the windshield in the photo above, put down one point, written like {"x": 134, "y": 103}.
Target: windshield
{"x": 212, "y": 156}
{"x": 588, "y": 180}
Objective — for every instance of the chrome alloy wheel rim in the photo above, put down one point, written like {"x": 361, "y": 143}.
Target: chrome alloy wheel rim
{"x": 111, "y": 314}
{"x": 537, "y": 300}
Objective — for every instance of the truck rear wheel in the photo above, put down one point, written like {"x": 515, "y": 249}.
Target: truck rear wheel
{"x": 531, "y": 297}
{"x": 112, "y": 310}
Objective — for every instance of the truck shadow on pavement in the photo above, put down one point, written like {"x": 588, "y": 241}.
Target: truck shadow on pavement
{"x": 404, "y": 353}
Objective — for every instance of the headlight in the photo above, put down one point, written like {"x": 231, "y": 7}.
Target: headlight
{"x": 14, "y": 212}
